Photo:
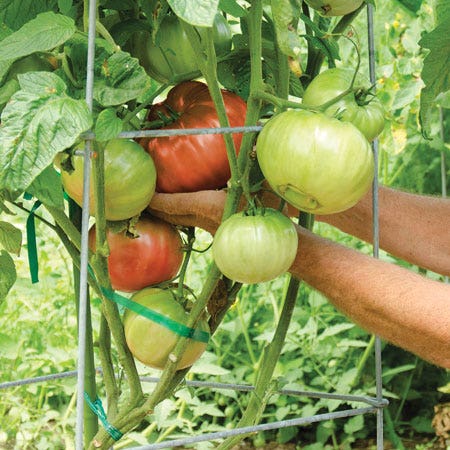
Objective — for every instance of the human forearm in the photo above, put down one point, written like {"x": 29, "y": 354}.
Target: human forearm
{"x": 412, "y": 227}
{"x": 400, "y": 306}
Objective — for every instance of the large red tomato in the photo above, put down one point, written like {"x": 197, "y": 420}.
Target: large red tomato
{"x": 152, "y": 257}
{"x": 193, "y": 162}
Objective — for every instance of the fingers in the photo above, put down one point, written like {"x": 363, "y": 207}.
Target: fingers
{"x": 201, "y": 209}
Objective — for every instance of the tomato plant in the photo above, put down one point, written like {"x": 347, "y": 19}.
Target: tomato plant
{"x": 252, "y": 247}
{"x": 335, "y": 7}
{"x": 130, "y": 179}
{"x": 150, "y": 256}
{"x": 315, "y": 162}
{"x": 189, "y": 163}
{"x": 171, "y": 55}
{"x": 150, "y": 342}
{"x": 359, "y": 107}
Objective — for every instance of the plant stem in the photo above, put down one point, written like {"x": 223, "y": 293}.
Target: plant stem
{"x": 111, "y": 387}
{"x": 390, "y": 430}
{"x": 99, "y": 263}
{"x": 362, "y": 362}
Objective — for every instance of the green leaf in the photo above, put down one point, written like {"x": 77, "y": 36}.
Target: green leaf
{"x": 48, "y": 83}
{"x": 435, "y": 73}
{"x": 10, "y": 238}
{"x": 443, "y": 100}
{"x": 47, "y": 188}
{"x": 45, "y": 32}
{"x": 108, "y": 125}
{"x": 232, "y": 7}
{"x": 35, "y": 127}
{"x": 123, "y": 79}
{"x": 354, "y": 424}
{"x": 441, "y": 11}
{"x": 285, "y": 16}
{"x": 196, "y": 12}
{"x": 8, "y": 274}
{"x": 16, "y": 13}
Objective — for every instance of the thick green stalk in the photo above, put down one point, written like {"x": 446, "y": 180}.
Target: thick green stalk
{"x": 100, "y": 266}
{"x": 111, "y": 387}
{"x": 170, "y": 377}
{"x": 90, "y": 419}
{"x": 259, "y": 397}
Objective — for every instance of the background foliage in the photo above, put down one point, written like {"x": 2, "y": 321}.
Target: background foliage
{"x": 323, "y": 351}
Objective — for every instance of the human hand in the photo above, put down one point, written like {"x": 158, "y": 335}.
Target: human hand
{"x": 203, "y": 209}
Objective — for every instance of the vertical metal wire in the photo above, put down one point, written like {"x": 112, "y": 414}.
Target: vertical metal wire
{"x": 375, "y": 227}
{"x": 84, "y": 236}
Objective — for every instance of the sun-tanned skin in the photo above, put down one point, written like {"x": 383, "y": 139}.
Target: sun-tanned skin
{"x": 403, "y": 307}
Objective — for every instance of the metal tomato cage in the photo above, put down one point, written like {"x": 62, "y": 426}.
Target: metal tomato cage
{"x": 374, "y": 405}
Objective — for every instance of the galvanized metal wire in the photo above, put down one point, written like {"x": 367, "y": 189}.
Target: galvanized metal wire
{"x": 84, "y": 252}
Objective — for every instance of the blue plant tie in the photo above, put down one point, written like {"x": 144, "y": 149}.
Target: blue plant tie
{"x": 97, "y": 407}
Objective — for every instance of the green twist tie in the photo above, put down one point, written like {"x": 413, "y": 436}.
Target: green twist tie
{"x": 97, "y": 407}
{"x": 154, "y": 316}
{"x": 31, "y": 241}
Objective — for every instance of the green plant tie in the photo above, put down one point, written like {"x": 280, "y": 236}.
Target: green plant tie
{"x": 31, "y": 241}
{"x": 97, "y": 407}
{"x": 160, "y": 319}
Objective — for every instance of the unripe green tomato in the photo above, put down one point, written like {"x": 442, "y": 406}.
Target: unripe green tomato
{"x": 360, "y": 108}
{"x": 172, "y": 55}
{"x": 316, "y": 163}
{"x": 130, "y": 180}
{"x": 152, "y": 343}
{"x": 334, "y": 7}
{"x": 255, "y": 248}
{"x": 30, "y": 63}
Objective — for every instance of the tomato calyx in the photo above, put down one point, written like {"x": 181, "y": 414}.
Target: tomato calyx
{"x": 364, "y": 96}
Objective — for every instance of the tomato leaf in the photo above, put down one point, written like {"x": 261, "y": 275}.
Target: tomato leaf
{"x": 122, "y": 80}
{"x": 285, "y": 16}
{"x": 10, "y": 238}
{"x": 16, "y": 13}
{"x": 108, "y": 125}
{"x": 8, "y": 274}
{"x": 45, "y": 32}
{"x": 435, "y": 72}
{"x": 47, "y": 188}
{"x": 196, "y": 12}
{"x": 232, "y": 7}
{"x": 38, "y": 122}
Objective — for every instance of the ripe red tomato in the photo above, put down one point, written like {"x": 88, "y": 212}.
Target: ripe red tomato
{"x": 316, "y": 163}
{"x": 253, "y": 248}
{"x": 152, "y": 257}
{"x": 193, "y": 162}
{"x": 150, "y": 342}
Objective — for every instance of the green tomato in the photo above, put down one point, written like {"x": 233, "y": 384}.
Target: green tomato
{"x": 130, "y": 179}
{"x": 172, "y": 55}
{"x": 316, "y": 163}
{"x": 360, "y": 108}
{"x": 152, "y": 343}
{"x": 30, "y": 63}
{"x": 255, "y": 248}
{"x": 334, "y": 7}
